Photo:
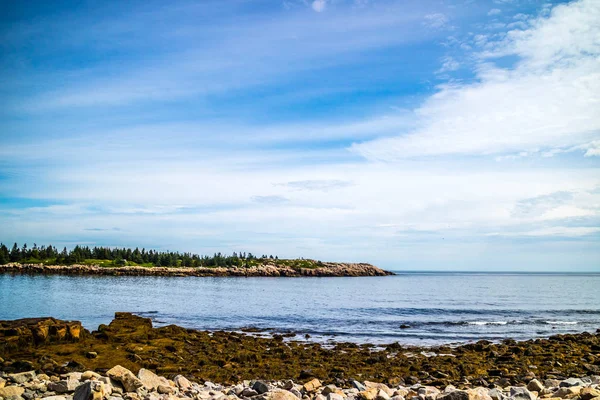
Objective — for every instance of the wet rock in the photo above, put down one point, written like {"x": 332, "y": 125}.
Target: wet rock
{"x": 260, "y": 387}
{"x": 91, "y": 354}
{"x": 571, "y": 382}
{"x": 129, "y": 381}
{"x": 22, "y": 377}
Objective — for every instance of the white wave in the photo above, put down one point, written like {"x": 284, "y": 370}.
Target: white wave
{"x": 561, "y": 322}
{"x": 488, "y": 323}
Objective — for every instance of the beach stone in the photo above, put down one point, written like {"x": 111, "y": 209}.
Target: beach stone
{"x": 150, "y": 380}
{"x": 551, "y": 383}
{"x": 521, "y": 393}
{"x": 567, "y": 392}
{"x": 589, "y": 393}
{"x": 165, "y": 389}
{"x": 55, "y": 398}
{"x": 296, "y": 392}
{"x": 535, "y": 386}
{"x": 380, "y": 386}
{"x": 382, "y": 395}
{"x": 454, "y": 395}
{"x": 397, "y": 397}
{"x": 334, "y": 396}
{"x": 249, "y": 392}
{"x": 479, "y": 393}
{"x": 369, "y": 394}
{"x": 312, "y": 385}
{"x": 182, "y": 382}
{"x": 90, "y": 375}
{"x": 129, "y": 381}
{"x": 280, "y": 394}
{"x": 22, "y": 377}
{"x": 2, "y": 382}
{"x": 496, "y": 394}
{"x": 90, "y": 390}
{"x": 260, "y": 387}
{"x": 571, "y": 382}
{"x": 63, "y": 386}
{"x": 10, "y": 391}
{"x": 359, "y": 386}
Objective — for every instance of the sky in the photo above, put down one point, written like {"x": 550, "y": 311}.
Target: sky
{"x": 415, "y": 135}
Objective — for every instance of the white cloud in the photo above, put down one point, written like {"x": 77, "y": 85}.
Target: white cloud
{"x": 436, "y": 20}
{"x": 319, "y": 5}
{"x": 494, "y": 11}
{"x": 549, "y": 100}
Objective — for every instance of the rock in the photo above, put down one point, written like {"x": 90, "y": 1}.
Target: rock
{"x": 90, "y": 375}
{"x": 369, "y": 394}
{"x": 397, "y": 397}
{"x": 280, "y": 394}
{"x": 567, "y": 392}
{"x": 359, "y": 386}
{"x": 296, "y": 392}
{"x": 129, "y": 381}
{"x": 10, "y": 391}
{"x": 22, "y": 377}
{"x": 150, "y": 380}
{"x": 2, "y": 382}
{"x": 334, "y": 396}
{"x": 382, "y": 395}
{"x": 521, "y": 393}
{"x": 165, "y": 389}
{"x": 589, "y": 393}
{"x": 260, "y": 387}
{"x": 535, "y": 386}
{"x": 312, "y": 385}
{"x": 551, "y": 383}
{"x": 91, "y": 354}
{"x": 249, "y": 392}
{"x": 55, "y": 398}
{"x": 182, "y": 382}
{"x": 454, "y": 395}
{"x": 90, "y": 390}
{"x": 63, "y": 386}
{"x": 571, "y": 382}
{"x": 380, "y": 386}
{"x": 319, "y": 397}
{"x": 479, "y": 393}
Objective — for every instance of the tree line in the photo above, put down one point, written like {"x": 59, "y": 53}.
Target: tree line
{"x": 121, "y": 256}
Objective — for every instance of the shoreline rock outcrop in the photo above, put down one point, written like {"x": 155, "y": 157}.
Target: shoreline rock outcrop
{"x": 322, "y": 269}
{"x": 230, "y": 357}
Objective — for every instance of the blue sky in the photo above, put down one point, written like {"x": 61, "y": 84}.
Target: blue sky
{"x": 410, "y": 134}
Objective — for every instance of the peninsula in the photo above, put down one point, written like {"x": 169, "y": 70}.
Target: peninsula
{"x": 82, "y": 260}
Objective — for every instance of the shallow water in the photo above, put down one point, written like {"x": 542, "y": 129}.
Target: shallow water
{"x": 437, "y": 307}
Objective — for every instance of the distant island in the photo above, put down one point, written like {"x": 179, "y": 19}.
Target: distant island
{"x": 83, "y": 260}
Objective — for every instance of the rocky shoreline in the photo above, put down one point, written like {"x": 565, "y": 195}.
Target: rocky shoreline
{"x": 320, "y": 269}
{"x": 56, "y": 348}
{"x": 119, "y": 383}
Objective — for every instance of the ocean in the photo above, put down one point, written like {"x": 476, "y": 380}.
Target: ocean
{"x": 412, "y": 308}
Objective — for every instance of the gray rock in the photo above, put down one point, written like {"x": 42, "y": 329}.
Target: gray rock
{"x": 22, "y": 377}
{"x": 90, "y": 390}
{"x": 296, "y": 392}
{"x": 454, "y": 395}
{"x": 182, "y": 382}
{"x": 571, "y": 382}
{"x": 261, "y": 387}
{"x": 521, "y": 393}
{"x": 359, "y": 386}
{"x": 551, "y": 383}
{"x": 63, "y": 386}
{"x": 248, "y": 392}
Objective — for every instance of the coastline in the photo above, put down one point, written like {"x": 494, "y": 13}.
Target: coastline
{"x": 324, "y": 269}
{"x": 61, "y": 347}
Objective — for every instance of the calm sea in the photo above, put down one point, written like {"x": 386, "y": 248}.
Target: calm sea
{"x": 436, "y": 307}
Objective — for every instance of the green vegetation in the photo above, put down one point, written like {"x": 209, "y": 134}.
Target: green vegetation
{"x": 119, "y": 257}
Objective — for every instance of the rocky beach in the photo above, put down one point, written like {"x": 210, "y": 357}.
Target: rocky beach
{"x": 58, "y": 360}
{"x": 295, "y": 268}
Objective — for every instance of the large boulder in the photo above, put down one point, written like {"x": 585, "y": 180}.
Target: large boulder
{"x": 280, "y": 394}
{"x": 150, "y": 380}
{"x": 312, "y": 385}
{"x": 11, "y": 391}
{"x": 22, "y": 377}
{"x": 90, "y": 390}
{"x": 454, "y": 395}
{"x": 129, "y": 381}
{"x": 521, "y": 393}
